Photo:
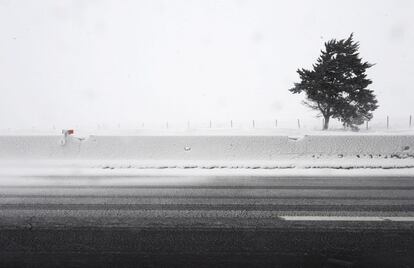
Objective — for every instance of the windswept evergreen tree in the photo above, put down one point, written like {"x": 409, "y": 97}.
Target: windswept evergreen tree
{"x": 337, "y": 84}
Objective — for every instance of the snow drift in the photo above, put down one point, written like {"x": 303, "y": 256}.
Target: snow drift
{"x": 203, "y": 147}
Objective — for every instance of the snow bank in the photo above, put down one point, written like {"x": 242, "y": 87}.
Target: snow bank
{"x": 205, "y": 147}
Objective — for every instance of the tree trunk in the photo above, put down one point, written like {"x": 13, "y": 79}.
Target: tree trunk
{"x": 326, "y": 123}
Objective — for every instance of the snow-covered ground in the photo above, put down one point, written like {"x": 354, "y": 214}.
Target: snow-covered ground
{"x": 206, "y": 151}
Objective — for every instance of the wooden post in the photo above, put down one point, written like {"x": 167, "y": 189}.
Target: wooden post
{"x": 253, "y": 124}
{"x": 275, "y": 123}
{"x": 298, "y": 123}
{"x": 231, "y": 123}
{"x": 367, "y": 125}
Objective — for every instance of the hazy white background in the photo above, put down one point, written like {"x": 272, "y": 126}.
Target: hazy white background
{"x": 90, "y": 62}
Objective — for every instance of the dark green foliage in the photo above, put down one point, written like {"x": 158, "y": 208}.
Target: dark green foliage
{"x": 337, "y": 84}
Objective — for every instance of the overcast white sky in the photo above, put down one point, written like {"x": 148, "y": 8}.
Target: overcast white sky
{"x": 87, "y": 62}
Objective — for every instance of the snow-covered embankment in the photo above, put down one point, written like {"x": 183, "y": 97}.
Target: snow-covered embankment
{"x": 212, "y": 151}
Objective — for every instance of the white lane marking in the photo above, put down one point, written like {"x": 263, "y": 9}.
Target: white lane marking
{"x": 346, "y": 218}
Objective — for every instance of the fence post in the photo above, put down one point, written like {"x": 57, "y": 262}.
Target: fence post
{"x": 367, "y": 125}
{"x": 210, "y": 123}
{"x": 231, "y": 123}
{"x": 298, "y": 123}
{"x": 275, "y": 123}
{"x": 388, "y": 122}
{"x": 410, "y": 120}
{"x": 253, "y": 124}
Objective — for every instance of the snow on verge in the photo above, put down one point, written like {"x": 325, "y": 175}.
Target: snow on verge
{"x": 207, "y": 148}
{"x": 205, "y": 152}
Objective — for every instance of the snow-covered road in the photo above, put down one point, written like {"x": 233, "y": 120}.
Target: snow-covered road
{"x": 105, "y": 200}
{"x": 67, "y": 219}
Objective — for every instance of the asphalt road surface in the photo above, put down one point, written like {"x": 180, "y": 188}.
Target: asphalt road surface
{"x": 211, "y": 221}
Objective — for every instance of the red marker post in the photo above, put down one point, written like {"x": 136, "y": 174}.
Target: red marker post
{"x": 66, "y": 133}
